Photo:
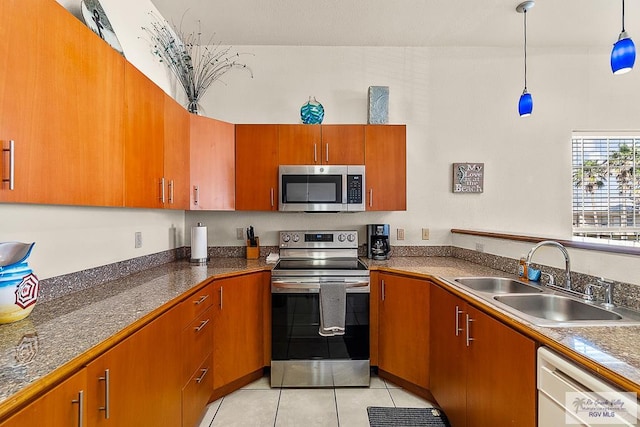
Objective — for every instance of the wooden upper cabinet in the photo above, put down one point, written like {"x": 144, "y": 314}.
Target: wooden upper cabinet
{"x": 386, "y": 167}
{"x": 144, "y": 141}
{"x": 257, "y": 167}
{"x": 212, "y": 164}
{"x": 342, "y": 144}
{"x": 299, "y": 144}
{"x": 176, "y": 154}
{"x": 61, "y": 92}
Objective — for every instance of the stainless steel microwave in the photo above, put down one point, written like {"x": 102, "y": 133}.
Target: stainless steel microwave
{"x": 325, "y": 188}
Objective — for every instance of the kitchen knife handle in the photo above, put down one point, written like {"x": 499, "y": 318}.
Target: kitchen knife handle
{"x": 272, "y": 192}
{"x": 458, "y": 313}
{"x": 382, "y": 291}
{"x": 469, "y": 339}
{"x": 80, "y": 402}
{"x": 196, "y": 195}
{"x": 315, "y": 153}
{"x": 107, "y": 387}
{"x": 12, "y": 164}
{"x": 171, "y": 185}
{"x": 327, "y": 152}
{"x": 162, "y": 190}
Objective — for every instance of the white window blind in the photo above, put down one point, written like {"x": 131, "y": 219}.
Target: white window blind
{"x": 606, "y": 186}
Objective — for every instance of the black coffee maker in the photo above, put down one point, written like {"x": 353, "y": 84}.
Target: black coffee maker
{"x": 378, "y": 244}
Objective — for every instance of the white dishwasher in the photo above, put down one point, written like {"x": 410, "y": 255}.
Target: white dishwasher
{"x": 567, "y": 391}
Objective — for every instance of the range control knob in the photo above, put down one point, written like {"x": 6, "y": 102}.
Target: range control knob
{"x": 351, "y": 237}
{"x": 296, "y": 237}
{"x": 286, "y": 238}
{"x": 341, "y": 237}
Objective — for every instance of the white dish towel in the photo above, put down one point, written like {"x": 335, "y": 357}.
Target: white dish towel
{"x": 333, "y": 308}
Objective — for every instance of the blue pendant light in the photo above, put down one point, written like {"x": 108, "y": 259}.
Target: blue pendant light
{"x": 623, "y": 54}
{"x": 525, "y": 105}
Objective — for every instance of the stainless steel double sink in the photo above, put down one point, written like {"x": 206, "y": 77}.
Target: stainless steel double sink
{"x": 542, "y": 306}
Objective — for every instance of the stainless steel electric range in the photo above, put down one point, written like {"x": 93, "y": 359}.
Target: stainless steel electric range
{"x": 314, "y": 265}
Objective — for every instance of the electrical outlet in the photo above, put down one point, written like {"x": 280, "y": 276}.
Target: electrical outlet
{"x": 425, "y": 234}
{"x": 240, "y": 233}
{"x": 138, "y": 240}
{"x": 400, "y": 233}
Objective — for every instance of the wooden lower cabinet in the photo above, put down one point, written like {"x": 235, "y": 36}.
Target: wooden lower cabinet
{"x": 482, "y": 371}
{"x": 63, "y": 406}
{"x": 196, "y": 393}
{"x": 237, "y": 335}
{"x": 403, "y": 328}
{"x": 144, "y": 378}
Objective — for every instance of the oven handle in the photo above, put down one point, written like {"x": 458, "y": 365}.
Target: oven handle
{"x": 290, "y": 284}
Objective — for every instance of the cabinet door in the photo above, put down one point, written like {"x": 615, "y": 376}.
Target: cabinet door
{"x": 403, "y": 347}
{"x": 448, "y": 362}
{"x": 342, "y": 144}
{"x": 386, "y": 167}
{"x": 144, "y": 141}
{"x": 237, "y": 341}
{"x": 257, "y": 167}
{"x": 61, "y": 91}
{"x": 176, "y": 155}
{"x": 212, "y": 164}
{"x": 501, "y": 379}
{"x": 145, "y": 377}
{"x": 299, "y": 144}
{"x": 60, "y": 407}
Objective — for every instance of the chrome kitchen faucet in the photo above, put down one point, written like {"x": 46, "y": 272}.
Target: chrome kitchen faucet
{"x": 567, "y": 262}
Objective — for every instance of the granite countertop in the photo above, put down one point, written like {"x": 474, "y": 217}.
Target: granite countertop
{"x": 60, "y": 330}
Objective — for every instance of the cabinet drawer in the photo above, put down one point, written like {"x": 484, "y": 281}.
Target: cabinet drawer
{"x": 197, "y": 342}
{"x": 196, "y": 393}
{"x": 196, "y": 304}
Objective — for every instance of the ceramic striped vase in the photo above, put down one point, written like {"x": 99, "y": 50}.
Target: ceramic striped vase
{"x": 18, "y": 284}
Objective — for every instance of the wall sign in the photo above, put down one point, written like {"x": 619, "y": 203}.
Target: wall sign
{"x": 468, "y": 177}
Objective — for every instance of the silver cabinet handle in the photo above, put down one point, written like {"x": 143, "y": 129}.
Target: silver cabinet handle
{"x": 162, "y": 190}
{"x": 382, "y": 292}
{"x": 202, "y": 325}
{"x": 196, "y": 194}
{"x": 315, "y": 153}
{"x": 171, "y": 185}
{"x": 370, "y": 197}
{"x": 272, "y": 198}
{"x": 201, "y": 300}
{"x": 458, "y": 313}
{"x": 220, "y": 297}
{"x": 80, "y": 402}
{"x": 107, "y": 387}
{"x": 469, "y": 339}
{"x": 201, "y": 377}
{"x": 327, "y": 152}
{"x": 12, "y": 165}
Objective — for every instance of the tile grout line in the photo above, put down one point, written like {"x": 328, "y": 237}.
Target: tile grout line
{"x": 335, "y": 401}
{"x": 275, "y": 419}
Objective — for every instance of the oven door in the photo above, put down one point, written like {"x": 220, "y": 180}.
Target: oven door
{"x": 301, "y": 357}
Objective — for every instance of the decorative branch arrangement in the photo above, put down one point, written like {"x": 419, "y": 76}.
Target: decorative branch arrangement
{"x": 196, "y": 66}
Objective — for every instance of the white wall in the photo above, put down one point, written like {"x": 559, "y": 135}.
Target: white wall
{"x": 459, "y": 106}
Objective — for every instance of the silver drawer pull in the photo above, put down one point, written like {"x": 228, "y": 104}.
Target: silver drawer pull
{"x": 162, "y": 199}
{"x": 469, "y": 339}
{"x": 201, "y": 300}
{"x": 171, "y": 185}
{"x": 80, "y": 402}
{"x": 458, "y": 313}
{"x": 201, "y": 377}
{"x": 12, "y": 165}
{"x": 202, "y": 325}
{"x": 107, "y": 386}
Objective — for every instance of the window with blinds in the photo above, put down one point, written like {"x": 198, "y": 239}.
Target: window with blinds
{"x": 606, "y": 186}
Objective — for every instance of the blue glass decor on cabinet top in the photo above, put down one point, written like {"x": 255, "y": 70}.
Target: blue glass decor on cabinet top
{"x": 312, "y": 112}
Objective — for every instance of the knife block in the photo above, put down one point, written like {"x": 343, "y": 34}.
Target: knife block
{"x": 253, "y": 252}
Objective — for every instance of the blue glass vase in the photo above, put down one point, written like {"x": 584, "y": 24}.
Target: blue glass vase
{"x": 312, "y": 112}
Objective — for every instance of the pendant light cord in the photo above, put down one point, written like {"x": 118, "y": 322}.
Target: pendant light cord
{"x": 623, "y": 16}
{"x": 525, "y": 49}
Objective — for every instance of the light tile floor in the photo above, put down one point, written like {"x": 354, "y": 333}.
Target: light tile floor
{"x": 260, "y": 405}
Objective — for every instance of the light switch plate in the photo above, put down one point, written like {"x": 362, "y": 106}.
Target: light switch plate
{"x": 425, "y": 234}
{"x": 400, "y": 233}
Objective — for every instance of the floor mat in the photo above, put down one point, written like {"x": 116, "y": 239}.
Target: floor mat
{"x": 413, "y": 417}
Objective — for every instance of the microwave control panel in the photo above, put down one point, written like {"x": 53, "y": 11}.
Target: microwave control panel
{"x": 354, "y": 189}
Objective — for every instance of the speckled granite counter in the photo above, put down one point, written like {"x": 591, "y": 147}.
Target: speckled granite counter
{"x": 60, "y": 330}
{"x": 616, "y": 348}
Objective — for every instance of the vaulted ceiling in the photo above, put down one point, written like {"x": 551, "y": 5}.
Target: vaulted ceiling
{"x": 551, "y": 23}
